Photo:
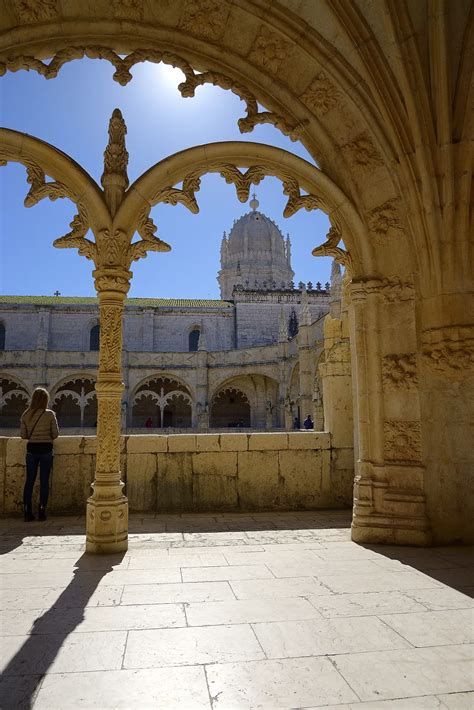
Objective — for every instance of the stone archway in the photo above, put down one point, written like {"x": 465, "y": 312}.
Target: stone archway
{"x": 14, "y": 398}
{"x": 161, "y": 402}
{"x": 382, "y": 106}
{"x": 230, "y": 408}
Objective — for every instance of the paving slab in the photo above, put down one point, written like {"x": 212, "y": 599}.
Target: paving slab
{"x": 263, "y": 610}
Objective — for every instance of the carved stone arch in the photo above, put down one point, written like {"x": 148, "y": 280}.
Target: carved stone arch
{"x": 74, "y": 400}
{"x": 14, "y": 399}
{"x": 165, "y": 375}
{"x": 161, "y": 400}
{"x": 69, "y": 180}
{"x": 158, "y": 185}
{"x": 230, "y": 406}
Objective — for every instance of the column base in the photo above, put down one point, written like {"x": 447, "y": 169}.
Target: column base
{"x": 382, "y": 530}
{"x": 390, "y": 514}
{"x": 107, "y": 526}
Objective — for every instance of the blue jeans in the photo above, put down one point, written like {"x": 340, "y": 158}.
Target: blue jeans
{"x": 45, "y": 462}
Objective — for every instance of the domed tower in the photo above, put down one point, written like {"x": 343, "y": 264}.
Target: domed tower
{"x": 255, "y": 255}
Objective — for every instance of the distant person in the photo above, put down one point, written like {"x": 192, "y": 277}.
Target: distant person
{"x": 149, "y": 423}
{"x": 38, "y": 424}
{"x": 296, "y": 423}
{"x": 308, "y": 422}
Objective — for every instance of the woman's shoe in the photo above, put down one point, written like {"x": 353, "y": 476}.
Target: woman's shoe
{"x": 28, "y": 517}
{"x": 41, "y": 514}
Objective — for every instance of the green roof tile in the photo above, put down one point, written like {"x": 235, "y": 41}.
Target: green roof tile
{"x": 146, "y": 302}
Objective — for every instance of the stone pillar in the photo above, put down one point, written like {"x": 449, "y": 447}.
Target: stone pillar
{"x": 42, "y": 347}
{"x": 306, "y": 373}
{"x": 389, "y": 502}
{"x": 107, "y": 508}
{"x": 201, "y": 408}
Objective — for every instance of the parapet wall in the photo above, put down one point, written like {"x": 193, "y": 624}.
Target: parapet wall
{"x": 194, "y": 472}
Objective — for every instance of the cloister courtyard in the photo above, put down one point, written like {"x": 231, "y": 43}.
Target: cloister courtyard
{"x": 231, "y": 611}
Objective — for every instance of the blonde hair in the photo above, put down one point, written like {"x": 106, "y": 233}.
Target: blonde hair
{"x": 39, "y": 400}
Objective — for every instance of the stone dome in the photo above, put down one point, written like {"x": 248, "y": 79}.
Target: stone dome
{"x": 256, "y": 234}
{"x": 255, "y": 255}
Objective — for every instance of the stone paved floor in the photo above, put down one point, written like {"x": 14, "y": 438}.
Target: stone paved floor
{"x": 232, "y": 611}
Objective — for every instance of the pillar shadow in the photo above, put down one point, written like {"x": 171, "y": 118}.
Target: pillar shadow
{"x": 20, "y": 680}
{"x": 450, "y": 565}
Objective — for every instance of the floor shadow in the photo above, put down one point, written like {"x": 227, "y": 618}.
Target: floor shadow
{"x": 20, "y": 680}
{"x": 450, "y": 565}
{"x": 240, "y": 522}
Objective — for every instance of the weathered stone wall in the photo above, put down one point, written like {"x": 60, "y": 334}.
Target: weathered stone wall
{"x": 189, "y": 472}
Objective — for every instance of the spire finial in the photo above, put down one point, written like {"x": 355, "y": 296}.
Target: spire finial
{"x": 254, "y": 203}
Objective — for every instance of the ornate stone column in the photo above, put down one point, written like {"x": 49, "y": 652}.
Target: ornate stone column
{"x": 389, "y": 501}
{"x": 107, "y": 508}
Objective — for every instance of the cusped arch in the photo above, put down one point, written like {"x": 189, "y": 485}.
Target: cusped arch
{"x": 158, "y": 184}
{"x": 162, "y": 401}
{"x": 14, "y": 398}
{"x": 74, "y": 400}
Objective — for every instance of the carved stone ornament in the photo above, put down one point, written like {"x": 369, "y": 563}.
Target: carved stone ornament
{"x": 76, "y": 238}
{"x": 385, "y": 218}
{"x": 115, "y": 154}
{"x": 205, "y": 18}
{"x": 270, "y": 50}
{"x": 321, "y": 95}
{"x": 128, "y": 9}
{"x": 391, "y": 291}
{"x": 331, "y": 248}
{"x": 402, "y": 441}
{"x": 362, "y": 153}
{"x": 36, "y": 10}
{"x": 399, "y": 371}
{"x": 110, "y": 338}
{"x": 288, "y": 126}
{"x": 449, "y": 352}
{"x": 242, "y": 182}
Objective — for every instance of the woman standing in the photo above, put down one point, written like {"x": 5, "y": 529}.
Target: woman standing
{"x": 39, "y": 426}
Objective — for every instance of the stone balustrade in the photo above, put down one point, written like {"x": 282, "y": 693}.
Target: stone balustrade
{"x": 194, "y": 472}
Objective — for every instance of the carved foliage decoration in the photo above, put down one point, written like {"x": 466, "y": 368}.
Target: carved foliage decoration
{"x": 242, "y": 181}
{"x": 288, "y": 126}
{"x": 128, "y": 9}
{"x": 385, "y": 218}
{"x": 321, "y": 95}
{"x": 270, "y": 49}
{"x": 76, "y": 238}
{"x": 35, "y": 10}
{"x": 40, "y": 189}
{"x": 331, "y": 248}
{"x": 206, "y": 18}
{"x": 297, "y": 201}
{"x": 146, "y": 228}
{"x": 399, "y": 371}
{"x": 115, "y": 154}
{"x": 362, "y": 153}
{"x": 110, "y": 338}
{"x": 108, "y": 435}
{"x": 402, "y": 441}
{"x": 449, "y": 352}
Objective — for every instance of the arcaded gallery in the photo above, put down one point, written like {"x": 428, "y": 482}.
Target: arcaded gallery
{"x": 236, "y": 249}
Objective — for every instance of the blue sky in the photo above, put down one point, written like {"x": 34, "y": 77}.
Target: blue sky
{"x": 72, "y": 112}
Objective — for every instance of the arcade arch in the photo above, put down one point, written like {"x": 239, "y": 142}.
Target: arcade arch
{"x": 364, "y": 86}
{"x": 75, "y": 402}
{"x": 14, "y": 398}
{"x": 161, "y": 402}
